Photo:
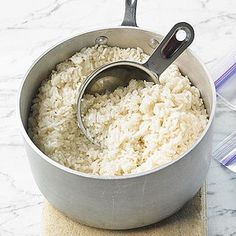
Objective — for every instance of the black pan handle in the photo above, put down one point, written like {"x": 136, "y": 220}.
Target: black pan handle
{"x": 130, "y": 13}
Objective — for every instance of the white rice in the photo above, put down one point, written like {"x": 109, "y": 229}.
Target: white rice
{"x": 139, "y": 127}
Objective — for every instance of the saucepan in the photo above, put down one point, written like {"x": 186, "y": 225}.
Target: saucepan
{"x": 119, "y": 202}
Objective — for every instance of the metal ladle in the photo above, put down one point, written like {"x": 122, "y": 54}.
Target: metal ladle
{"x": 116, "y": 74}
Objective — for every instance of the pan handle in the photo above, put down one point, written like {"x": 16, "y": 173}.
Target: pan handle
{"x": 130, "y": 13}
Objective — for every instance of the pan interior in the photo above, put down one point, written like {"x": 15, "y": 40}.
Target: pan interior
{"x": 122, "y": 37}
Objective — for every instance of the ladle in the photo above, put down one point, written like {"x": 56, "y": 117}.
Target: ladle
{"x": 116, "y": 74}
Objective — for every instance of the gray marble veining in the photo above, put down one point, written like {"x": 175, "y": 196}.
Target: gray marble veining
{"x": 27, "y": 28}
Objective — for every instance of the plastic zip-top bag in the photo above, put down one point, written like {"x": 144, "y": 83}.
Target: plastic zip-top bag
{"x": 225, "y": 152}
{"x": 225, "y": 84}
{"x": 226, "y": 80}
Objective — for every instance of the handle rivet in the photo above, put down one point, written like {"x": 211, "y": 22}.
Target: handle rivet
{"x": 153, "y": 43}
{"x": 101, "y": 40}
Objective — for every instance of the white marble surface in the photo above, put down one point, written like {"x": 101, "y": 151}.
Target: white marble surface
{"x": 29, "y": 27}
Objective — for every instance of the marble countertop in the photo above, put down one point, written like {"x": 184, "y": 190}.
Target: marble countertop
{"x": 29, "y": 27}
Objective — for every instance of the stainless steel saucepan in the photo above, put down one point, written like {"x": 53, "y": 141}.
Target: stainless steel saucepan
{"x": 127, "y": 201}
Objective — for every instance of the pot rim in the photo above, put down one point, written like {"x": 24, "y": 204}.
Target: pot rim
{"x": 99, "y": 177}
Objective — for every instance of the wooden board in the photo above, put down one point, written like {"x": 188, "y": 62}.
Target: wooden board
{"x": 190, "y": 220}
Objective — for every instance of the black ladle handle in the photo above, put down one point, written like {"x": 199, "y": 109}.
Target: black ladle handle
{"x": 130, "y": 13}
{"x": 170, "y": 48}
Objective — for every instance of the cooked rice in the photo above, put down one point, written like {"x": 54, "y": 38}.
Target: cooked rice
{"x": 139, "y": 127}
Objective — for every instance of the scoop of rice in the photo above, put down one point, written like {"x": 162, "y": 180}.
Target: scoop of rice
{"x": 138, "y": 127}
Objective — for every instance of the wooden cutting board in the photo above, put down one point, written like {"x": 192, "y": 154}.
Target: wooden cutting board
{"x": 190, "y": 220}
